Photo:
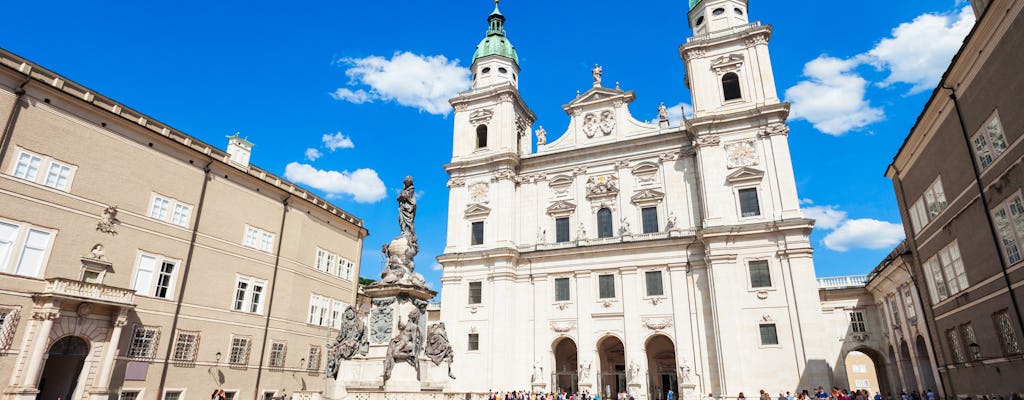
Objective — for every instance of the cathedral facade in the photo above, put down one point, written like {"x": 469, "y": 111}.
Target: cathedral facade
{"x": 625, "y": 256}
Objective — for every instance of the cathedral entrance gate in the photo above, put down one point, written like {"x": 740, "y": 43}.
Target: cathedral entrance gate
{"x": 564, "y": 376}
{"x": 63, "y": 366}
{"x": 612, "y": 366}
{"x": 661, "y": 368}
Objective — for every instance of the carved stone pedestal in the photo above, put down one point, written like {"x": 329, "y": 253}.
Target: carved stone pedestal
{"x": 689, "y": 391}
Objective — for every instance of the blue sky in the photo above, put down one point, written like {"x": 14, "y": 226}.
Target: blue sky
{"x": 858, "y": 74}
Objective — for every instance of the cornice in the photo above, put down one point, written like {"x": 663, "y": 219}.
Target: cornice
{"x": 464, "y": 99}
{"x": 714, "y": 39}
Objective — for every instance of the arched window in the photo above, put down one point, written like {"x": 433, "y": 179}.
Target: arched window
{"x": 604, "y": 223}
{"x": 731, "y": 86}
{"x": 481, "y": 136}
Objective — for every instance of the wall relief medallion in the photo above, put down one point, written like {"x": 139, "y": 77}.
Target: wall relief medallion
{"x": 478, "y": 192}
{"x": 563, "y": 326}
{"x": 741, "y": 154}
{"x": 381, "y": 319}
{"x": 481, "y": 116}
{"x": 594, "y": 123}
{"x": 590, "y": 127}
{"x": 657, "y": 324}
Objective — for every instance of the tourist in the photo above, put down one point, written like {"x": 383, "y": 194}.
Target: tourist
{"x": 741, "y": 396}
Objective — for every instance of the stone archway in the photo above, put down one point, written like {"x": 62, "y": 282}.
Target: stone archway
{"x": 662, "y": 373}
{"x": 924, "y": 365}
{"x": 611, "y": 366}
{"x": 867, "y": 369}
{"x": 907, "y": 369}
{"x": 63, "y": 368}
{"x": 564, "y": 377}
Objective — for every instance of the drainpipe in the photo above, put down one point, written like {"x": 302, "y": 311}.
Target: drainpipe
{"x": 984, "y": 203}
{"x": 5, "y": 138}
{"x": 270, "y": 301}
{"x": 916, "y": 256}
{"x": 184, "y": 279}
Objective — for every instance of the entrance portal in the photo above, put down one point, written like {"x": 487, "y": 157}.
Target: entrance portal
{"x": 564, "y": 377}
{"x": 661, "y": 368}
{"x": 612, "y": 377}
{"x": 63, "y": 366}
{"x": 866, "y": 370}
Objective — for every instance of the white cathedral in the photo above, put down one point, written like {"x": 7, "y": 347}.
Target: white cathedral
{"x": 624, "y": 256}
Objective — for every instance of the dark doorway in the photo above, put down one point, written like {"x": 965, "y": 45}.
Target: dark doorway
{"x": 63, "y": 366}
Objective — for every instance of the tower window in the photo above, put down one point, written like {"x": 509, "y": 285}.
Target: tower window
{"x": 749, "y": 205}
{"x": 486, "y": 70}
{"x": 478, "y": 234}
{"x": 562, "y": 229}
{"x": 502, "y": 70}
{"x": 731, "y": 86}
{"x": 604, "y": 223}
{"x": 738, "y": 11}
{"x": 481, "y": 136}
{"x": 700, "y": 20}
{"x": 718, "y": 11}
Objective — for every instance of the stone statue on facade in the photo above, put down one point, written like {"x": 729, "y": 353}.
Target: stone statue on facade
{"x": 672, "y": 224}
{"x": 405, "y": 346}
{"x": 624, "y": 228}
{"x": 581, "y": 232}
{"x": 108, "y": 219}
{"x": 401, "y": 251}
{"x": 541, "y": 234}
{"x": 597, "y": 72}
{"x": 542, "y": 135}
{"x": 662, "y": 113}
{"x": 584, "y": 372}
{"x": 438, "y": 348}
{"x": 97, "y": 252}
{"x": 634, "y": 372}
{"x": 351, "y": 341}
{"x": 538, "y": 372}
{"x": 685, "y": 373}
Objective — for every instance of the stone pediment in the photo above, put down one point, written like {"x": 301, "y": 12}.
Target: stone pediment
{"x": 729, "y": 62}
{"x": 561, "y": 208}
{"x": 477, "y": 211}
{"x": 745, "y": 174}
{"x": 598, "y": 96}
{"x": 647, "y": 196}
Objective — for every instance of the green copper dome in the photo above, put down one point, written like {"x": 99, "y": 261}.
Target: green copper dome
{"x": 693, "y": 3}
{"x": 495, "y": 43}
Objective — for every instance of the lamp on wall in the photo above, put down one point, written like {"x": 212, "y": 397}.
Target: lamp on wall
{"x": 218, "y": 358}
{"x": 975, "y": 350}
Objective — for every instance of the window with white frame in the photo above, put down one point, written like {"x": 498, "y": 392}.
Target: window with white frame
{"x": 278, "y": 351}
{"x": 313, "y": 362}
{"x": 908, "y": 302}
{"x": 918, "y": 215}
{"x": 249, "y": 295}
{"x": 239, "y": 352}
{"x": 857, "y": 324}
{"x": 1007, "y": 334}
{"x": 258, "y": 239}
{"x": 760, "y": 274}
{"x": 319, "y": 307}
{"x": 945, "y": 273}
{"x": 346, "y": 269}
{"x": 186, "y": 346}
{"x": 769, "y": 335}
{"x": 154, "y": 276}
{"x": 170, "y": 210}
{"x": 230, "y": 394}
{"x": 935, "y": 198}
{"x": 562, "y": 289}
{"x": 23, "y": 248}
{"x": 862, "y": 384}
{"x": 174, "y": 395}
{"x": 653, "y": 283}
{"x": 749, "y": 204}
{"x": 324, "y": 260}
{"x": 129, "y": 395}
{"x": 1009, "y": 220}
{"x": 9, "y": 318}
{"x": 337, "y": 307}
{"x": 989, "y": 142}
{"x": 144, "y": 341}
{"x": 473, "y": 342}
{"x": 43, "y": 170}
{"x": 606, "y": 286}
{"x": 475, "y": 293}
{"x": 860, "y": 368}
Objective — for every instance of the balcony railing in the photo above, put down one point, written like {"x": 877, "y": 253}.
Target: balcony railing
{"x": 723, "y": 32}
{"x": 89, "y": 291}
{"x": 841, "y": 282}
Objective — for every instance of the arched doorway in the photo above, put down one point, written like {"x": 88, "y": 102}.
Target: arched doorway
{"x": 564, "y": 377}
{"x": 924, "y": 365}
{"x": 907, "y": 367}
{"x": 611, "y": 366}
{"x": 63, "y": 366}
{"x": 866, "y": 370}
{"x": 661, "y": 368}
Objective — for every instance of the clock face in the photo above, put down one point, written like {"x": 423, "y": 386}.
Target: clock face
{"x": 742, "y": 154}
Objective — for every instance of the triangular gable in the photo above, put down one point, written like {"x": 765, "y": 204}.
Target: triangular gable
{"x": 647, "y": 196}
{"x": 745, "y": 174}
{"x": 561, "y": 207}
{"x": 477, "y": 210}
{"x": 599, "y": 95}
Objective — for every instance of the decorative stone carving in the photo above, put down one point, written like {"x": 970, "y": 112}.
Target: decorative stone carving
{"x": 608, "y": 121}
{"x": 662, "y": 113}
{"x": 670, "y": 156}
{"x": 657, "y": 324}
{"x": 685, "y": 372}
{"x": 602, "y": 185}
{"x": 108, "y": 219}
{"x": 542, "y": 135}
{"x": 775, "y": 129}
{"x": 607, "y": 304}
{"x": 351, "y": 341}
{"x": 584, "y": 370}
{"x": 579, "y": 171}
{"x": 478, "y": 192}
{"x": 405, "y": 345}
{"x": 590, "y": 127}
{"x": 460, "y": 107}
{"x": 563, "y": 326}
{"x": 758, "y": 39}
{"x": 581, "y": 232}
{"x": 538, "y": 373}
{"x": 727, "y": 63}
{"x": 481, "y": 116}
{"x": 562, "y": 305}
{"x": 541, "y": 234}
{"x": 624, "y": 228}
{"x": 672, "y": 224}
{"x": 647, "y": 197}
{"x": 381, "y": 319}
{"x": 438, "y": 348}
{"x": 695, "y": 53}
{"x": 402, "y": 249}
{"x": 43, "y": 315}
{"x": 504, "y": 174}
{"x": 521, "y": 126}
{"x": 597, "y": 72}
{"x": 633, "y": 374}
{"x": 561, "y": 208}
{"x": 505, "y": 98}
{"x": 707, "y": 141}
{"x": 456, "y": 182}
{"x": 97, "y": 252}
{"x": 741, "y": 154}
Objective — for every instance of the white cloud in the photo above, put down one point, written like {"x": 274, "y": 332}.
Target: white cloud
{"x": 436, "y": 267}
{"x": 676, "y": 112}
{"x": 832, "y": 99}
{"x": 864, "y": 233}
{"x": 313, "y": 154}
{"x": 362, "y": 184}
{"x": 826, "y": 217}
{"x": 918, "y": 52}
{"x": 412, "y": 80}
{"x": 337, "y": 141}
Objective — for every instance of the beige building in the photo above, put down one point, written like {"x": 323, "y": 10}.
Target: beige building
{"x": 138, "y": 262}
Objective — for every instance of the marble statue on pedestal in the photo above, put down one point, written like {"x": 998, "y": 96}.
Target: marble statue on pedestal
{"x": 405, "y": 346}
{"x": 351, "y": 341}
{"x": 438, "y": 348}
{"x": 401, "y": 251}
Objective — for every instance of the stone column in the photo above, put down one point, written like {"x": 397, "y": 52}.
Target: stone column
{"x": 102, "y": 385}
{"x": 39, "y": 346}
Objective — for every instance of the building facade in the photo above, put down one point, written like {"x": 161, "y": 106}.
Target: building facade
{"x": 624, "y": 256}
{"x": 140, "y": 263}
{"x": 958, "y": 180}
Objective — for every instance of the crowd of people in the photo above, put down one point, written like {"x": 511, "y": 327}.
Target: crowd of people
{"x": 563, "y": 395}
{"x": 817, "y": 394}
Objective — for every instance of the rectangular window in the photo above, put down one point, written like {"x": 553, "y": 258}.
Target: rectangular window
{"x": 164, "y": 280}
{"x": 893, "y": 308}
{"x": 862, "y": 383}
{"x": 561, "y": 289}
{"x": 562, "y": 229}
{"x": 474, "y": 342}
{"x": 8, "y": 234}
{"x": 172, "y": 395}
{"x": 475, "y": 292}
{"x": 769, "y": 336}
{"x": 860, "y": 368}
{"x": 181, "y": 214}
{"x": 956, "y": 345}
{"x": 239, "y": 354}
{"x": 649, "y": 215}
{"x": 324, "y": 260}
{"x": 230, "y": 395}
{"x": 989, "y": 142}
{"x": 313, "y": 362}
{"x": 346, "y": 269}
{"x": 152, "y": 282}
{"x": 170, "y": 210}
{"x": 945, "y": 273}
{"x": 654, "y": 286}
{"x": 967, "y": 334}
{"x": 857, "y": 322}
{"x": 606, "y": 286}
{"x": 337, "y": 308}
{"x": 935, "y": 198}
{"x": 8, "y": 325}
{"x": 58, "y": 176}
{"x": 159, "y": 208}
{"x": 277, "y": 354}
{"x": 258, "y": 239}
{"x": 1009, "y": 221}
{"x": 27, "y": 167}
{"x": 936, "y": 283}
{"x": 32, "y": 255}
{"x": 1007, "y": 334}
{"x": 749, "y": 205}
{"x": 908, "y": 302}
{"x": 143, "y": 344}
{"x": 186, "y": 346}
{"x": 129, "y": 395}
{"x": 918, "y": 215}
{"x": 249, "y": 295}
{"x": 319, "y": 310}
{"x": 760, "y": 275}
{"x": 478, "y": 233}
